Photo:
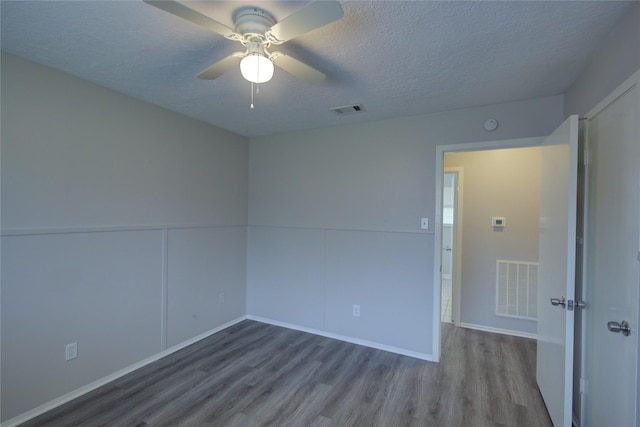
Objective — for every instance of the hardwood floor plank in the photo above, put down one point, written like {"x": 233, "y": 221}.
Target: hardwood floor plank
{"x": 254, "y": 374}
{"x": 278, "y": 380}
{"x": 78, "y": 410}
{"x": 354, "y": 367}
{"x": 188, "y": 404}
{"x": 400, "y": 406}
{"x": 342, "y": 362}
{"x": 322, "y": 422}
{"x": 144, "y": 405}
{"x": 307, "y": 406}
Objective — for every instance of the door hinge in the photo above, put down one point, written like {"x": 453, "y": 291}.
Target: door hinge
{"x": 587, "y": 157}
{"x": 577, "y": 304}
{"x": 583, "y": 386}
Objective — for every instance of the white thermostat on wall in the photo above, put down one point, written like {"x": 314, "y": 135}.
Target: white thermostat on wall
{"x": 498, "y": 221}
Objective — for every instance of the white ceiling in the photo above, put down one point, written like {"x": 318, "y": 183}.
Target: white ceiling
{"x": 397, "y": 58}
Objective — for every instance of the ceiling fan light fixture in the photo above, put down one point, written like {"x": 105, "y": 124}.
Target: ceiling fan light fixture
{"x": 257, "y": 30}
{"x": 256, "y": 68}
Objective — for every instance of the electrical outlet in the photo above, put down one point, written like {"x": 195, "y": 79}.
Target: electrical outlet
{"x": 356, "y": 310}
{"x": 71, "y": 351}
{"x": 221, "y": 298}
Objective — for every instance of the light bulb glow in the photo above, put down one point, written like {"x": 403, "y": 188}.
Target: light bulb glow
{"x": 256, "y": 68}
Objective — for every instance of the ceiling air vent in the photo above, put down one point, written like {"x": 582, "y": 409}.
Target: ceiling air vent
{"x": 348, "y": 109}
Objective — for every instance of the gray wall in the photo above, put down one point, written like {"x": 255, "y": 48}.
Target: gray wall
{"x": 615, "y": 59}
{"x": 122, "y": 224}
{"x": 334, "y": 220}
{"x": 496, "y": 183}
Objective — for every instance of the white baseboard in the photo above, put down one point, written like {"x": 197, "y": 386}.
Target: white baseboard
{"x": 499, "y": 331}
{"x": 378, "y": 346}
{"x": 39, "y": 410}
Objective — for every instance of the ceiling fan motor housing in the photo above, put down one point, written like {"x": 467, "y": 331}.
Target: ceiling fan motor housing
{"x": 252, "y": 21}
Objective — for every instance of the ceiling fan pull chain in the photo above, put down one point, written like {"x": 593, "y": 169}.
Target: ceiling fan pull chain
{"x": 252, "y": 95}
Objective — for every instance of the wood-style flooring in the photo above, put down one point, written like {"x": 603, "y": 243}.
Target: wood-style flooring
{"x": 254, "y": 374}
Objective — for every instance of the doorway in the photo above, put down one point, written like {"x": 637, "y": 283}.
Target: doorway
{"x": 441, "y": 256}
{"x": 497, "y": 263}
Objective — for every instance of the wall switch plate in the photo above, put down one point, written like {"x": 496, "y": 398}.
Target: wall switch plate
{"x": 71, "y": 351}
{"x": 356, "y": 310}
{"x": 424, "y": 223}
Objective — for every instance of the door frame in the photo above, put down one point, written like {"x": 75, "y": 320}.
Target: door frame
{"x": 441, "y": 150}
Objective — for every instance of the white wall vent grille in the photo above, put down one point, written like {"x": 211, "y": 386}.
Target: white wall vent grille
{"x": 517, "y": 289}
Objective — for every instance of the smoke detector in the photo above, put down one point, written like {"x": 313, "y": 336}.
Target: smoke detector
{"x": 490, "y": 125}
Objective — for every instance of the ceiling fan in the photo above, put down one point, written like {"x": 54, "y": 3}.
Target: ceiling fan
{"x": 257, "y": 31}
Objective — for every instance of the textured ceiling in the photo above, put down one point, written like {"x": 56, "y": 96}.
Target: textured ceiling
{"x": 397, "y": 58}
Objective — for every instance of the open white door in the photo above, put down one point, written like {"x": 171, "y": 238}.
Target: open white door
{"x": 556, "y": 283}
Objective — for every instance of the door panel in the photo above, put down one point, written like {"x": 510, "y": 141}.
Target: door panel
{"x": 613, "y": 224}
{"x": 449, "y": 202}
{"x": 448, "y": 215}
{"x": 447, "y": 249}
{"x": 558, "y": 186}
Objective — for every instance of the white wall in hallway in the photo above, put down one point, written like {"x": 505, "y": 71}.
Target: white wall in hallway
{"x": 503, "y": 183}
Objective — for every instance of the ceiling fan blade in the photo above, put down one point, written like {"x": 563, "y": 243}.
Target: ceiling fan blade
{"x": 297, "y": 68}
{"x": 312, "y": 16}
{"x": 184, "y": 12}
{"x": 221, "y": 67}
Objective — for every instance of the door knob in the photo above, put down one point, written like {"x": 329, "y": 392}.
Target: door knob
{"x": 559, "y": 301}
{"x": 618, "y": 327}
